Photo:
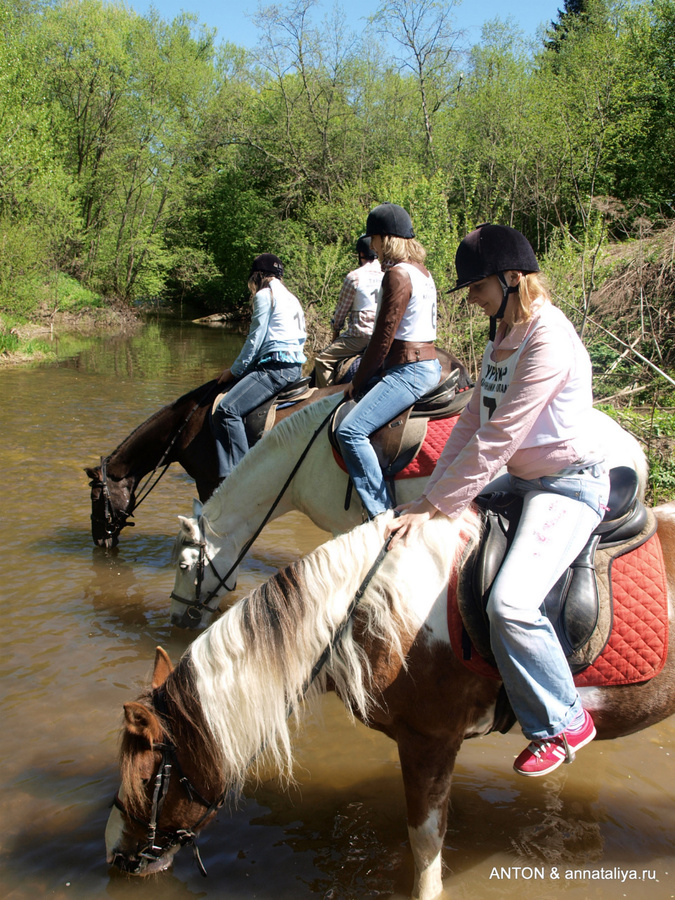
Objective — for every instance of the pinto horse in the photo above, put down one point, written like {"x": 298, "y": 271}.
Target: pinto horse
{"x": 210, "y": 544}
{"x": 381, "y": 642}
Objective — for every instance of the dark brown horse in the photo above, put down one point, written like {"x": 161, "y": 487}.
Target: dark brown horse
{"x": 389, "y": 659}
{"x": 180, "y": 432}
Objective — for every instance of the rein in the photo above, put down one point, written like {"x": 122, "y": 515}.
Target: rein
{"x": 196, "y": 606}
{"x": 160, "y": 841}
{"x": 111, "y": 515}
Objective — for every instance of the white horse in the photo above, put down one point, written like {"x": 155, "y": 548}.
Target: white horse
{"x": 390, "y": 660}
{"x": 210, "y": 543}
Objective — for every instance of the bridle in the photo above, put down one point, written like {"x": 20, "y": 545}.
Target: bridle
{"x": 110, "y": 520}
{"x": 160, "y": 841}
{"x": 194, "y": 607}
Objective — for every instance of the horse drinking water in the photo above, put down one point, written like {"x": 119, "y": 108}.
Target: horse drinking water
{"x": 381, "y": 641}
{"x": 180, "y": 432}
{"x": 210, "y": 544}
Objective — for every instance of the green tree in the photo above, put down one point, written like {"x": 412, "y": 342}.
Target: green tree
{"x": 425, "y": 32}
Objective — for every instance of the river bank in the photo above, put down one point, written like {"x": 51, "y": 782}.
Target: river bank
{"x": 29, "y": 342}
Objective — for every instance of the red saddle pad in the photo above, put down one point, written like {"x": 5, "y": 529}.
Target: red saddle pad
{"x": 438, "y": 431}
{"x": 638, "y": 643}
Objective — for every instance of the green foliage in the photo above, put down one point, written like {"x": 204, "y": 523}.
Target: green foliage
{"x": 142, "y": 161}
{"x": 73, "y": 296}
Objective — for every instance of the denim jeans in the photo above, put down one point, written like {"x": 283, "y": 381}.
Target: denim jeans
{"x": 227, "y": 422}
{"x": 553, "y": 529}
{"x": 398, "y": 389}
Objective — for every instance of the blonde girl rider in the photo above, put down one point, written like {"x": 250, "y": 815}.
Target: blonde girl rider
{"x": 399, "y": 364}
{"x": 529, "y": 415}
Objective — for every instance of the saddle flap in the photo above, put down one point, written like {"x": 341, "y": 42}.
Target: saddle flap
{"x": 396, "y": 444}
{"x": 578, "y": 605}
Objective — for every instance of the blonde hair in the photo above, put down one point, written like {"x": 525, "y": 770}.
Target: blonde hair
{"x": 398, "y": 249}
{"x": 531, "y": 286}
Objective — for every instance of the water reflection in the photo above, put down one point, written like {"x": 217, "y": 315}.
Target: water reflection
{"x": 79, "y": 630}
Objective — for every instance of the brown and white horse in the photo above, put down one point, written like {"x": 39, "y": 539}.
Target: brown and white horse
{"x": 227, "y": 703}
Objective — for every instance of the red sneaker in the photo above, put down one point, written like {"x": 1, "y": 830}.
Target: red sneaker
{"x": 542, "y": 757}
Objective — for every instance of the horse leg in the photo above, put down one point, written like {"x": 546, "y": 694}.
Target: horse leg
{"x": 426, "y": 764}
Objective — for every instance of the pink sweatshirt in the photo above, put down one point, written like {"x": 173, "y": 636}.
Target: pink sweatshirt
{"x": 538, "y": 426}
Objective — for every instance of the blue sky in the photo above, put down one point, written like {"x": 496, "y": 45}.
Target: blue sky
{"x": 234, "y": 20}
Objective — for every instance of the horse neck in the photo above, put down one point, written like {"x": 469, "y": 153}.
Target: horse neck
{"x": 143, "y": 449}
{"x": 257, "y": 659}
{"x": 239, "y": 505}
{"x": 202, "y": 764}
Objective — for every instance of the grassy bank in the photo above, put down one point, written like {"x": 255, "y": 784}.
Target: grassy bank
{"x": 73, "y": 310}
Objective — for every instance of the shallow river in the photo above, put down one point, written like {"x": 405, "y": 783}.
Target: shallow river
{"x": 79, "y": 628}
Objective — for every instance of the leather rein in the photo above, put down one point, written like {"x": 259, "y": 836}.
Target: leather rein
{"x": 114, "y": 520}
{"x": 160, "y": 841}
{"x": 197, "y": 605}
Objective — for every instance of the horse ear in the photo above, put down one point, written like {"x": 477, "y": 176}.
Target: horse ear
{"x": 196, "y": 508}
{"x": 94, "y": 474}
{"x": 142, "y": 722}
{"x": 190, "y": 528}
{"x": 163, "y": 668}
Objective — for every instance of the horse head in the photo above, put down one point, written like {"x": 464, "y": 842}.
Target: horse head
{"x": 155, "y": 814}
{"x": 112, "y": 502}
{"x": 198, "y": 585}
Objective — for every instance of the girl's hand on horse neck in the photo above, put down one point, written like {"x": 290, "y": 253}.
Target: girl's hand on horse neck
{"x": 411, "y": 518}
{"x": 226, "y": 376}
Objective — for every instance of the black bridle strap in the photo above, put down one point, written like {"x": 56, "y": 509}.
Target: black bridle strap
{"x": 182, "y": 837}
{"x": 203, "y": 604}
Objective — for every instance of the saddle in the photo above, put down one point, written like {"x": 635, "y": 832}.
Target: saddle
{"x": 261, "y": 419}
{"x": 399, "y": 441}
{"x": 579, "y": 604}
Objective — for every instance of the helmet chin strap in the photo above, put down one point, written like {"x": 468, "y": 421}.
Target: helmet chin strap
{"x": 508, "y": 290}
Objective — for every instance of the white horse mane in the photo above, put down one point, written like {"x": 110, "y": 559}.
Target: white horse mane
{"x": 300, "y": 424}
{"x": 251, "y": 665}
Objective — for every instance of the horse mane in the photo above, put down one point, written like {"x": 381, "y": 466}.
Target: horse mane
{"x": 249, "y": 670}
{"x": 285, "y": 434}
{"x": 121, "y": 447}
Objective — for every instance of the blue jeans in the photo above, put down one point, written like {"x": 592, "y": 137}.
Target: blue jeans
{"x": 227, "y": 422}
{"x": 398, "y": 389}
{"x": 559, "y": 514}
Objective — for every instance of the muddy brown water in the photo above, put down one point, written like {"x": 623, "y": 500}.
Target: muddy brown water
{"x": 79, "y": 628}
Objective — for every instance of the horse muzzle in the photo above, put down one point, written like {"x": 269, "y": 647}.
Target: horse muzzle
{"x": 140, "y": 865}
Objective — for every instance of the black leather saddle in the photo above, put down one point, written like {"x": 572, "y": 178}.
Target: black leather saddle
{"x": 573, "y": 602}
{"x": 256, "y": 420}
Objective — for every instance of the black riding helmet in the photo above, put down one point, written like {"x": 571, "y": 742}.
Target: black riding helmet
{"x": 493, "y": 250}
{"x": 268, "y": 264}
{"x": 363, "y": 247}
{"x": 388, "y": 218}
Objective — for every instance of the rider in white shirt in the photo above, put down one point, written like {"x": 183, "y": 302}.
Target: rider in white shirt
{"x": 269, "y": 361}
